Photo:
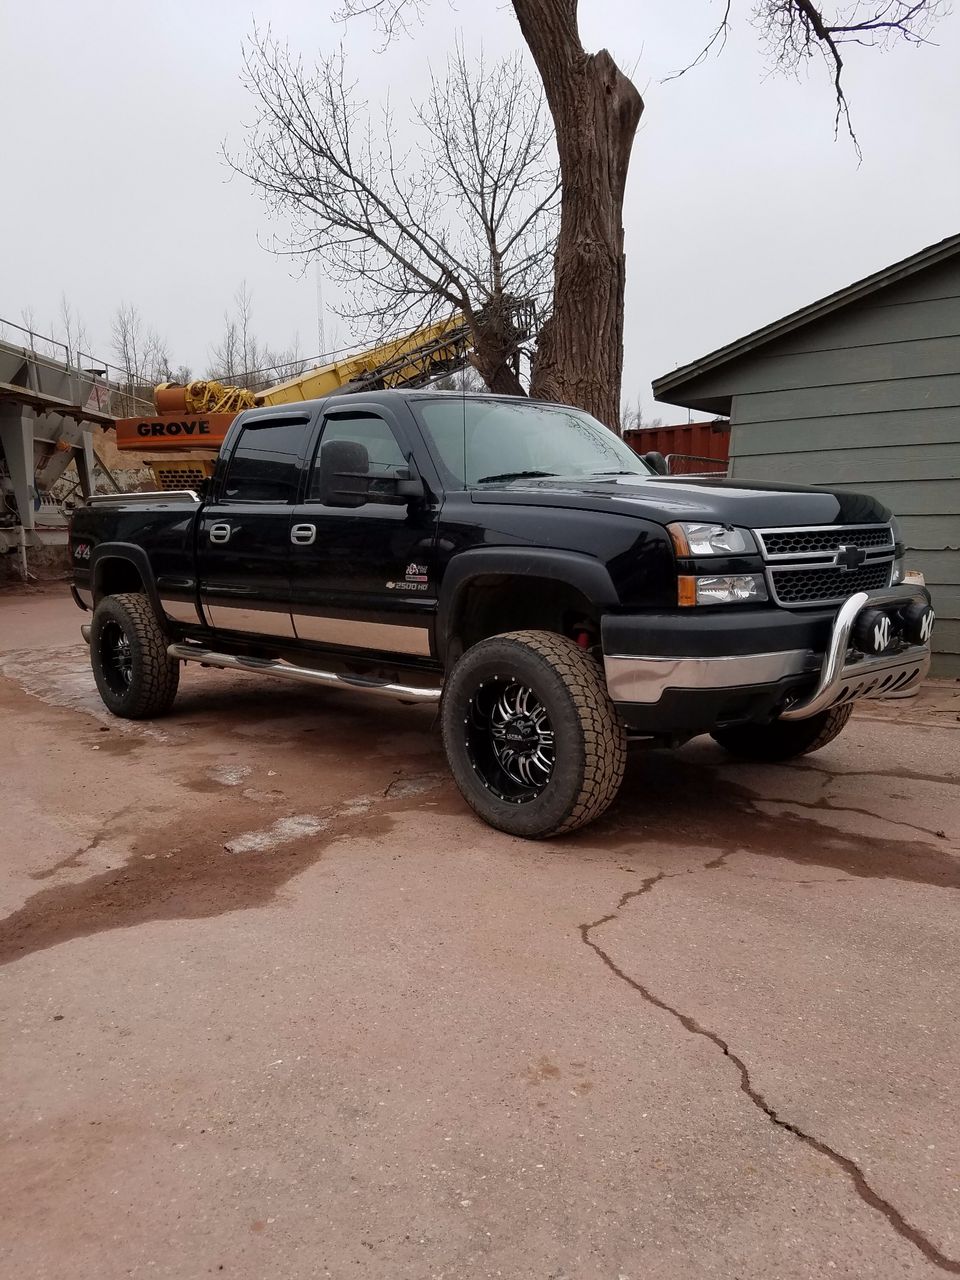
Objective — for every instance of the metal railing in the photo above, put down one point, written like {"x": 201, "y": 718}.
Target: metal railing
{"x": 89, "y": 373}
{"x": 692, "y": 464}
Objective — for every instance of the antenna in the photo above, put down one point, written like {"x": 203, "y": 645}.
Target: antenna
{"x": 321, "y": 330}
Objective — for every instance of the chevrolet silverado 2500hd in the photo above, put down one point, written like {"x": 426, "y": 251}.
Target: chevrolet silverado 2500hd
{"x": 517, "y": 563}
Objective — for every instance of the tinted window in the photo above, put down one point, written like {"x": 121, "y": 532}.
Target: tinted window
{"x": 265, "y": 463}
{"x": 483, "y": 441}
{"x": 383, "y": 451}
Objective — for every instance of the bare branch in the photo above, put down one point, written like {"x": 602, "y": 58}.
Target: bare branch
{"x": 718, "y": 40}
{"x": 392, "y": 17}
{"x": 463, "y": 221}
{"x": 797, "y": 30}
{"x": 241, "y": 360}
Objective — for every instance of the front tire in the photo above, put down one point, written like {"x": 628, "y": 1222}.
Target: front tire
{"x": 531, "y": 737}
{"x": 136, "y": 678}
{"x": 783, "y": 739}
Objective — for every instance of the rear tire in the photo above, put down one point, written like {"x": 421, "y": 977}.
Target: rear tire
{"x": 136, "y": 678}
{"x": 531, "y": 736}
{"x": 783, "y": 739}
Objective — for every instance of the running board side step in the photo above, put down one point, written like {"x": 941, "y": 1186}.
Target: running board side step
{"x": 303, "y": 675}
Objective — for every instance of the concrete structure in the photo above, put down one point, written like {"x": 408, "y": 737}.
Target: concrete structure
{"x": 860, "y": 390}
{"x": 49, "y": 408}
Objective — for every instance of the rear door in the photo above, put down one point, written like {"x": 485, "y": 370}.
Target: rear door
{"x": 244, "y": 535}
{"x": 365, "y": 577}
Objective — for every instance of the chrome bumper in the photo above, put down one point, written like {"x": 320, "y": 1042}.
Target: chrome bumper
{"x": 645, "y": 680}
{"x": 835, "y": 677}
{"x": 843, "y": 681}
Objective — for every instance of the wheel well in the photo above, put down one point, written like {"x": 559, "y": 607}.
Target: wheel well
{"x": 493, "y": 603}
{"x": 115, "y": 575}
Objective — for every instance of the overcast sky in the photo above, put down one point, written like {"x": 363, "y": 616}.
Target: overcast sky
{"x": 740, "y": 206}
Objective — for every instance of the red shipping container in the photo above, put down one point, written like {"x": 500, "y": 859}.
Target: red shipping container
{"x": 689, "y": 448}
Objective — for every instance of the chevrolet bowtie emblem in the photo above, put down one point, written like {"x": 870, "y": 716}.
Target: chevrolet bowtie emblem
{"x": 850, "y": 558}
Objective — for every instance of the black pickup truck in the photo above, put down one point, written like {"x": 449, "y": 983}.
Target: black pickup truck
{"x": 517, "y": 563}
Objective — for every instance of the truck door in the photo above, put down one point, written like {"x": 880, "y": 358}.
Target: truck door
{"x": 244, "y": 534}
{"x": 364, "y": 577}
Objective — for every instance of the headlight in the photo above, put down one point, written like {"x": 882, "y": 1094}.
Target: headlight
{"x": 709, "y": 540}
{"x": 731, "y": 588}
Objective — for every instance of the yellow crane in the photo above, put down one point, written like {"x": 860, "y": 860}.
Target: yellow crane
{"x": 192, "y": 420}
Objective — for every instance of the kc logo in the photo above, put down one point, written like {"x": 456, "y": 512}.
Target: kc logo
{"x": 881, "y": 634}
{"x": 926, "y": 626}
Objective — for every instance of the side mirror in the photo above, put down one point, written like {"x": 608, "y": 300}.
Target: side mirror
{"x": 408, "y": 487}
{"x": 656, "y": 462}
{"x": 344, "y": 474}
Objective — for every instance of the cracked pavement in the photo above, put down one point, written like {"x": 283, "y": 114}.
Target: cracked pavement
{"x": 272, "y": 1001}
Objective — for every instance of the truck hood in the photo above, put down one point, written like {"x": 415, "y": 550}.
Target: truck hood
{"x": 665, "y": 498}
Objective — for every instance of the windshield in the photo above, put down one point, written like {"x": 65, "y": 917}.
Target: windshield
{"x": 479, "y": 441}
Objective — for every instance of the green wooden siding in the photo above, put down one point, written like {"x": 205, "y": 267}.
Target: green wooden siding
{"x": 868, "y": 399}
{"x": 860, "y": 466}
{"x": 820, "y": 402}
{"x": 881, "y": 430}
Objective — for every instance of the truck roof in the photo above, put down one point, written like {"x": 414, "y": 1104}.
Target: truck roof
{"x": 396, "y": 393}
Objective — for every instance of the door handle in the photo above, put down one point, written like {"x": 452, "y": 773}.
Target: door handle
{"x": 220, "y": 532}
{"x": 303, "y": 535}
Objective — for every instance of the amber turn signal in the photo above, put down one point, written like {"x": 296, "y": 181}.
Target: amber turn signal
{"x": 678, "y": 537}
{"x": 686, "y": 591}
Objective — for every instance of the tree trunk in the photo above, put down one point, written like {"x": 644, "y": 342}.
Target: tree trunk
{"x": 596, "y": 110}
{"x": 500, "y": 375}
{"x": 495, "y": 347}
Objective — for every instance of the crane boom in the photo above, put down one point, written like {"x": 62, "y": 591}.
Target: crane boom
{"x": 195, "y": 418}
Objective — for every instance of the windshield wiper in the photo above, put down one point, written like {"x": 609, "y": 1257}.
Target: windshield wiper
{"x": 516, "y": 475}
{"x": 618, "y": 473}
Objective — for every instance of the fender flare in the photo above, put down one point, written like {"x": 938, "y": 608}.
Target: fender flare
{"x": 574, "y": 568}
{"x": 134, "y": 555}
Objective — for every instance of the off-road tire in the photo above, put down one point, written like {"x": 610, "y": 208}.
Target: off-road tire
{"x": 783, "y": 739}
{"x": 590, "y": 741}
{"x": 154, "y": 676}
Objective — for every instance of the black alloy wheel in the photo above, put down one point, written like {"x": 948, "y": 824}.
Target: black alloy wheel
{"x": 510, "y": 739}
{"x": 135, "y": 675}
{"x": 115, "y": 657}
{"x": 532, "y": 738}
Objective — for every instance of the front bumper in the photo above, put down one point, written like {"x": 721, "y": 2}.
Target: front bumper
{"x": 696, "y": 692}
{"x": 847, "y": 679}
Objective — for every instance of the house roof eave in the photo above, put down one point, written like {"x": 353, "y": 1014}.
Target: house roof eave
{"x": 669, "y": 387}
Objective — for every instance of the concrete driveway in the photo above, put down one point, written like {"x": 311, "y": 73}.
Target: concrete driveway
{"x": 274, "y": 1004}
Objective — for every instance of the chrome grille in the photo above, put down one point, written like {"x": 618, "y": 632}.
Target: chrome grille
{"x": 826, "y": 584}
{"x": 781, "y": 544}
{"x": 810, "y": 565}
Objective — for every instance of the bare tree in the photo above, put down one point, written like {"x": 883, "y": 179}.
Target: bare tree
{"x": 240, "y": 359}
{"x": 632, "y": 419}
{"x": 464, "y": 222}
{"x": 143, "y": 359}
{"x": 72, "y": 327}
{"x": 38, "y": 342}
{"x": 596, "y": 110}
